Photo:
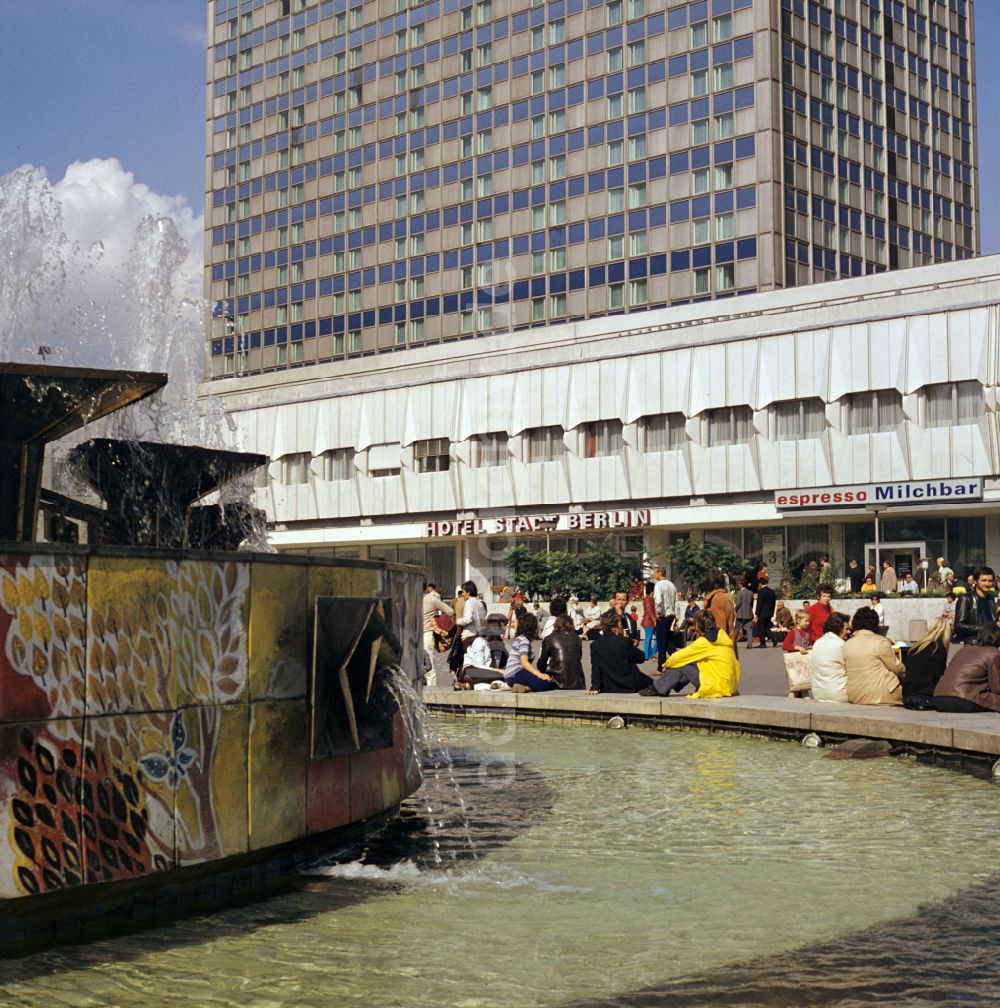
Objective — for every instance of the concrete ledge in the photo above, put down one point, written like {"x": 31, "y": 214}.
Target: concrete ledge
{"x": 977, "y": 735}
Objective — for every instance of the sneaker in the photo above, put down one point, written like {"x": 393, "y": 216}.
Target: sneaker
{"x": 648, "y": 691}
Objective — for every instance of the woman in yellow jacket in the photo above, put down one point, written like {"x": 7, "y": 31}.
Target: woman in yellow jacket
{"x": 708, "y": 662}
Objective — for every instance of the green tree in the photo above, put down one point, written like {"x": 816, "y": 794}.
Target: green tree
{"x": 605, "y": 570}
{"x": 693, "y": 561}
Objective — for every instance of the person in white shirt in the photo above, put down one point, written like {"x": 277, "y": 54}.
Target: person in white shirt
{"x": 473, "y": 617}
{"x": 433, "y": 605}
{"x": 826, "y": 662}
{"x": 591, "y": 617}
{"x": 907, "y": 584}
{"x": 946, "y": 574}
{"x": 877, "y": 606}
{"x": 665, "y": 602}
{"x": 557, "y": 607}
{"x": 575, "y": 613}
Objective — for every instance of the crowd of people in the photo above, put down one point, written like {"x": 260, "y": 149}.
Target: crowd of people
{"x": 694, "y": 642}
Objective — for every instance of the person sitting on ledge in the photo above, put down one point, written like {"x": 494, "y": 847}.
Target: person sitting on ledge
{"x": 561, "y": 655}
{"x": 971, "y": 682}
{"x": 873, "y": 671}
{"x": 615, "y": 660}
{"x": 829, "y": 674}
{"x": 925, "y": 664}
{"x": 520, "y": 673}
{"x": 477, "y": 666}
{"x": 708, "y": 663}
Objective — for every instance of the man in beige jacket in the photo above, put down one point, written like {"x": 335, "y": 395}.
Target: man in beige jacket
{"x": 872, "y": 668}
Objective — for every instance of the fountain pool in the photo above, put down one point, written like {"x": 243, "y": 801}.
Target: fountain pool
{"x": 600, "y": 867}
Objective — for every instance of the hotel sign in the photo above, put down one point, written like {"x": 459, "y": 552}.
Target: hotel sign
{"x": 604, "y": 521}
{"x": 862, "y": 495}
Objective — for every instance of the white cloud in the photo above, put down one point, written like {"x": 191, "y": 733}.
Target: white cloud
{"x": 102, "y": 202}
{"x": 106, "y": 272}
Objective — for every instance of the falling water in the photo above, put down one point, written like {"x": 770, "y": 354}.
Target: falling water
{"x": 65, "y": 304}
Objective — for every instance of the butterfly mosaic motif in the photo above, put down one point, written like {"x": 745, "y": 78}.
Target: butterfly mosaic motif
{"x": 171, "y": 766}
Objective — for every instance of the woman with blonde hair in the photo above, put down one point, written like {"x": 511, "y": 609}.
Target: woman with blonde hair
{"x": 925, "y": 664}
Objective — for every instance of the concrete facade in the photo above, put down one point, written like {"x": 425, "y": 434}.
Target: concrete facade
{"x": 681, "y": 421}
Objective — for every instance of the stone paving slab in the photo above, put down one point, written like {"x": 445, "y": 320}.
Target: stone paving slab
{"x": 975, "y": 733}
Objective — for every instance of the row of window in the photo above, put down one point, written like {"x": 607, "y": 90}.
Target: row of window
{"x": 869, "y": 412}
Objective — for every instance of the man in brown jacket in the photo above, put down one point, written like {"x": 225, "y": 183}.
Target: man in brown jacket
{"x": 872, "y": 668}
{"x": 971, "y": 682}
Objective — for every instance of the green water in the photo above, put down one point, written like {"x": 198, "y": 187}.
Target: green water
{"x": 607, "y": 861}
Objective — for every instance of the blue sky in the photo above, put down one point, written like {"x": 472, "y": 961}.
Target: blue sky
{"x": 83, "y": 79}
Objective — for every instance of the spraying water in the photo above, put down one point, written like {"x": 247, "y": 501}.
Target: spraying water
{"x": 63, "y": 302}
{"x": 120, "y": 304}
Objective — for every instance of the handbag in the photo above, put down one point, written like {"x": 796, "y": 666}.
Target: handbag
{"x": 798, "y": 669}
{"x": 444, "y": 622}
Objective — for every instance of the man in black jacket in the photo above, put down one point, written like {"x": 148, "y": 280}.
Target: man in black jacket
{"x": 975, "y": 607}
{"x": 765, "y": 612}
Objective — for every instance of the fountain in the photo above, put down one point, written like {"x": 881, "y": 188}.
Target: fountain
{"x": 181, "y": 720}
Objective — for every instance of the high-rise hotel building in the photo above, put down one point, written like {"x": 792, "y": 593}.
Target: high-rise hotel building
{"x": 392, "y": 173}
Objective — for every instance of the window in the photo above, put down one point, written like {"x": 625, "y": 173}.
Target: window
{"x": 338, "y": 464}
{"x": 557, "y": 305}
{"x": 295, "y": 468}
{"x": 701, "y": 180}
{"x": 383, "y": 460}
{"x": 602, "y": 438}
{"x": 489, "y": 449}
{"x": 953, "y": 403}
{"x": 724, "y": 226}
{"x": 724, "y": 176}
{"x": 537, "y": 263}
{"x": 537, "y": 172}
{"x": 537, "y": 37}
{"x": 799, "y": 418}
{"x": 557, "y": 75}
{"x": 725, "y": 277}
{"x": 877, "y": 412}
{"x": 538, "y": 310}
{"x": 637, "y": 243}
{"x": 616, "y": 247}
{"x": 636, "y": 53}
{"x": 637, "y": 195}
{"x": 724, "y": 126}
{"x": 637, "y": 292}
{"x": 724, "y": 77}
{"x": 431, "y": 455}
{"x": 614, "y": 13}
{"x": 557, "y": 32}
{"x": 699, "y": 83}
{"x": 699, "y": 131}
{"x": 557, "y": 168}
{"x": 702, "y": 281}
{"x": 614, "y": 59}
{"x": 542, "y": 444}
{"x": 637, "y": 147}
{"x": 616, "y": 200}
{"x": 699, "y": 35}
{"x": 616, "y": 296}
{"x": 637, "y": 100}
{"x": 662, "y": 432}
{"x": 722, "y": 28}
{"x": 730, "y": 425}
{"x": 616, "y": 106}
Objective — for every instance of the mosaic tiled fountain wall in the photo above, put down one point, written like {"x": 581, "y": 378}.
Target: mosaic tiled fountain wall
{"x": 157, "y": 710}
